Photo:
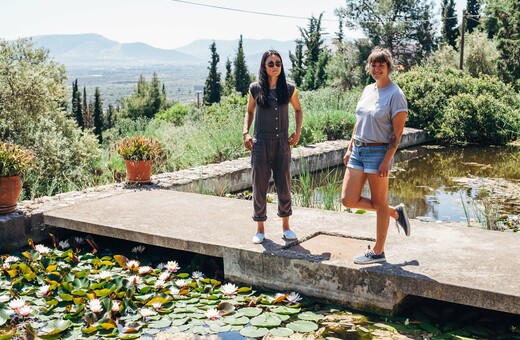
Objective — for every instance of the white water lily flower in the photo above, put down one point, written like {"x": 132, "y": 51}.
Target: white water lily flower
{"x": 229, "y": 289}
{"x": 181, "y": 283}
{"x": 6, "y": 266}
{"x": 24, "y": 311}
{"x": 44, "y": 290}
{"x": 159, "y": 284}
{"x": 135, "y": 280}
{"x": 138, "y": 249}
{"x": 172, "y": 266}
{"x": 164, "y": 276}
{"x": 212, "y": 314}
{"x": 17, "y": 304}
{"x": 160, "y": 266}
{"x": 146, "y": 312}
{"x": 144, "y": 270}
{"x": 115, "y": 306}
{"x": 95, "y": 306}
{"x": 10, "y": 259}
{"x": 64, "y": 244}
{"x": 104, "y": 274}
{"x": 79, "y": 240}
{"x": 293, "y": 298}
{"x": 40, "y": 248}
{"x": 197, "y": 275}
{"x": 157, "y": 305}
{"x": 174, "y": 291}
{"x": 133, "y": 264}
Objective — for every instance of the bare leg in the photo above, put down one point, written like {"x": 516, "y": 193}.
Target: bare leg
{"x": 379, "y": 198}
{"x": 260, "y": 227}
{"x": 285, "y": 223}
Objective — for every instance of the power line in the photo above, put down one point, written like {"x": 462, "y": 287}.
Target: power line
{"x": 246, "y": 11}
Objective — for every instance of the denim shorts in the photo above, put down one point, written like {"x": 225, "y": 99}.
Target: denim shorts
{"x": 368, "y": 158}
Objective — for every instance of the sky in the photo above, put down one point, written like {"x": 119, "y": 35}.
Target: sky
{"x": 167, "y": 24}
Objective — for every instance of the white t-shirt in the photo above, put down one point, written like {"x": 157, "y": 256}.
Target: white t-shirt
{"x": 375, "y": 110}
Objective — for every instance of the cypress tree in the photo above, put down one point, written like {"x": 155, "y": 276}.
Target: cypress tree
{"x": 449, "y": 23}
{"x": 84, "y": 110}
{"x": 242, "y": 78}
{"x": 156, "y": 101}
{"x": 98, "y": 115}
{"x": 76, "y": 104}
{"x": 473, "y": 9}
{"x": 229, "y": 84}
{"x": 297, "y": 70}
{"x": 110, "y": 117}
{"x": 213, "y": 87}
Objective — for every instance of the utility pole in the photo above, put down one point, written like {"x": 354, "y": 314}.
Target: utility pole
{"x": 463, "y": 29}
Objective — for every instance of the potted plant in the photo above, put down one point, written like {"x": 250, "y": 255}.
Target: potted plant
{"x": 139, "y": 153}
{"x": 14, "y": 160}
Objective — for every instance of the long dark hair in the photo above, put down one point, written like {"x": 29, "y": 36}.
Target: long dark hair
{"x": 282, "y": 94}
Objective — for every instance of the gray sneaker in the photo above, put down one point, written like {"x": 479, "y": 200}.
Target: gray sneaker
{"x": 402, "y": 219}
{"x": 370, "y": 257}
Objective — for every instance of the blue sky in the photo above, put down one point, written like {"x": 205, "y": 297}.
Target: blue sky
{"x": 165, "y": 23}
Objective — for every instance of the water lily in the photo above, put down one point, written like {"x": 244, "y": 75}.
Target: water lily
{"x": 10, "y": 259}
{"x": 24, "y": 311}
{"x": 146, "y": 312}
{"x": 197, "y": 275}
{"x": 104, "y": 274}
{"x": 212, "y": 314}
{"x": 172, "y": 266}
{"x": 6, "y": 266}
{"x": 64, "y": 244}
{"x": 116, "y": 305}
{"x": 157, "y": 305}
{"x": 44, "y": 290}
{"x": 132, "y": 265}
{"x": 79, "y": 240}
{"x": 164, "y": 276}
{"x": 293, "y": 298}
{"x": 17, "y": 304}
{"x": 161, "y": 266}
{"x": 174, "y": 291}
{"x": 229, "y": 289}
{"x": 135, "y": 280}
{"x": 159, "y": 284}
{"x": 145, "y": 270}
{"x": 95, "y": 306}
{"x": 40, "y": 248}
{"x": 138, "y": 249}
{"x": 181, "y": 283}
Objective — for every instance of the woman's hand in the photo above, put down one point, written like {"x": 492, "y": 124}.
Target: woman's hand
{"x": 293, "y": 139}
{"x": 248, "y": 142}
{"x": 347, "y": 157}
{"x": 384, "y": 169}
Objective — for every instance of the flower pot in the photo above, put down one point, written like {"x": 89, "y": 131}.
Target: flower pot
{"x": 138, "y": 171}
{"x": 10, "y": 190}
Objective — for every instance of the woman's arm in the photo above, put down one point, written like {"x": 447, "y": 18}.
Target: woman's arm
{"x": 398, "y": 128}
{"x": 298, "y": 118}
{"x": 248, "y": 120}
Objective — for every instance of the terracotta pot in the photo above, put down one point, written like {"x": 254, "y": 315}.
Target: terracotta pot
{"x": 10, "y": 190}
{"x": 138, "y": 171}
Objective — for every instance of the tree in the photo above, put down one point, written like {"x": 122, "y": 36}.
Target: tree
{"x": 241, "y": 73}
{"x": 229, "y": 82}
{"x": 503, "y": 24}
{"x": 394, "y": 24}
{"x": 98, "y": 115}
{"x": 213, "y": 87}
{"x": 147, "y": 100}
{"x": 110, "y": 117}
{"x": 449, "y": 32}
{"x": 87, "y": 116}
{"x": 297, "y": 71}
{"x": 76, "y": 104}
{"x": 473, "y": 15}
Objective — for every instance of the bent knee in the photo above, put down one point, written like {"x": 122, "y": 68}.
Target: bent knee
{"x": 349, "y": 201}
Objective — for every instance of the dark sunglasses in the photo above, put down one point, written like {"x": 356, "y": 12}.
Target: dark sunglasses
{"x": 272, "y": 63}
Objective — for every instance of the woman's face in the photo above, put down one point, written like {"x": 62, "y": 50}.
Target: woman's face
{"x": 379, "y": 71}
{"x": 273, "y": 65}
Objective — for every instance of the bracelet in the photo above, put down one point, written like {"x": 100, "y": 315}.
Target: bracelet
{"x": 245, "y": 133}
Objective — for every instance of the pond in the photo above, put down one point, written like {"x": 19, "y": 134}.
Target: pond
{"x": 435, "y": 183}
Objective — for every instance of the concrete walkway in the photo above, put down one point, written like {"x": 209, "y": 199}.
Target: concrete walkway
{"x": 444, "y": 262}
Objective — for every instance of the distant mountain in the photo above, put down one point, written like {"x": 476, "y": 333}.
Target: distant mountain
{"x": 94, "y": 49}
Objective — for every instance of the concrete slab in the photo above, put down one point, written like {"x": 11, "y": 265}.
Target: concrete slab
{"x": 444, "y": 262}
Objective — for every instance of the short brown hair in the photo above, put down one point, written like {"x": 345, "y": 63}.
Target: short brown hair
{"x": 380, "y": 55}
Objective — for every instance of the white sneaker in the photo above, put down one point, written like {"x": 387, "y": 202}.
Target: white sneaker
{"x": 289, "y": 235}
{"x": 258, "y": 238}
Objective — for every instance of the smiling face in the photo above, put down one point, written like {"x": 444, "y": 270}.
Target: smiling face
{"x": 273, "y": 65}
{"x": 379, "y": 70}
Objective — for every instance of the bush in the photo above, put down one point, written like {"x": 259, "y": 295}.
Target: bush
{"x": 431, "y": 93}
{"x": 175, "y": 114}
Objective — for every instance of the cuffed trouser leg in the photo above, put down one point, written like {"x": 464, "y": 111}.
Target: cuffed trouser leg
{"x": 261, "y": 174}
{"x": 282, "y": 177}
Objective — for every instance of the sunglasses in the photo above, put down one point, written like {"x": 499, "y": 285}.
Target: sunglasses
{"x": 272, "y": 64}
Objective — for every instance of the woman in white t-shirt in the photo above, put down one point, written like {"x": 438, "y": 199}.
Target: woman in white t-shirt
{"x": 380, "y": 116}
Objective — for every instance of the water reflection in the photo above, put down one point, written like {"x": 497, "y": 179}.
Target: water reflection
{"x": 423, "y": 178}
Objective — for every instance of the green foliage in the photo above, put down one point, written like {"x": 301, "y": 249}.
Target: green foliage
{"x": 344, "y": 70}
{"x": 139, "y": 148}
{"x": 14, "y": 159}
{"x": 146, "y": 101}
{"x": 32, "y": 93}
{"x": 174, "y": 114}
{"x": 98, "y": 115}
{"x": 213, "y": 86}
{"x": 487, "y": 109}
{"x": 480, "y": 54}
{"x": 449, "y": 29}
{"x": 473, "y": 12}
{"x": 241, "y": 74}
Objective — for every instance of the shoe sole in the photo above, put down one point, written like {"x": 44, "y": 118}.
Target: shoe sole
{"x": 406, "y": 232}
{"x": 370, "y": 262}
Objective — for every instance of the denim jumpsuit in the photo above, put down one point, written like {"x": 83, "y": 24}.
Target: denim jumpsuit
{"x": 271, "y": 154}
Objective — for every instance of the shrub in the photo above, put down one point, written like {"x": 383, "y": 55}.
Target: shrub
{"x": 14, "y": 159}
{"x": 175, "y": 114}
{"x": 139, "y": 148}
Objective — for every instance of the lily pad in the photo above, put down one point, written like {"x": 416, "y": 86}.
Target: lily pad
{"x": 268, "y": 321}
{"x": 54, "y": 327}
{"x": 250, "y": 311}
{"x": 234, "y": 320}
{"x": 281, "y": 332}
{"x": 285, "y": 310}
{"x": 162, "y": 323}
{"x": 302, "y": 326}
{"x": 310, "y": 316}
{"x": 254, "y": 332}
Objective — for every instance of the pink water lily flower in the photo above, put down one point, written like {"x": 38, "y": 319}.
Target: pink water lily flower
{"x": 172, "y": 266}
{"x": 212, "y": 314}
{"x": 115, "y": 306}
{"x": 164, "y": 276}
{"x": 145, "y": 270}
{"x": 132, "y": 265}
{"x": 159, "y": 284}
{"x": 293, "y": 298}
{"x": 44, "y": 290}
{"x": 229, "y": 289}
{"x": 16, "y": 304}
{"x": 24, "y": 311}
{"x": 135, "y": 280}
{"x": 40, "y": 248}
